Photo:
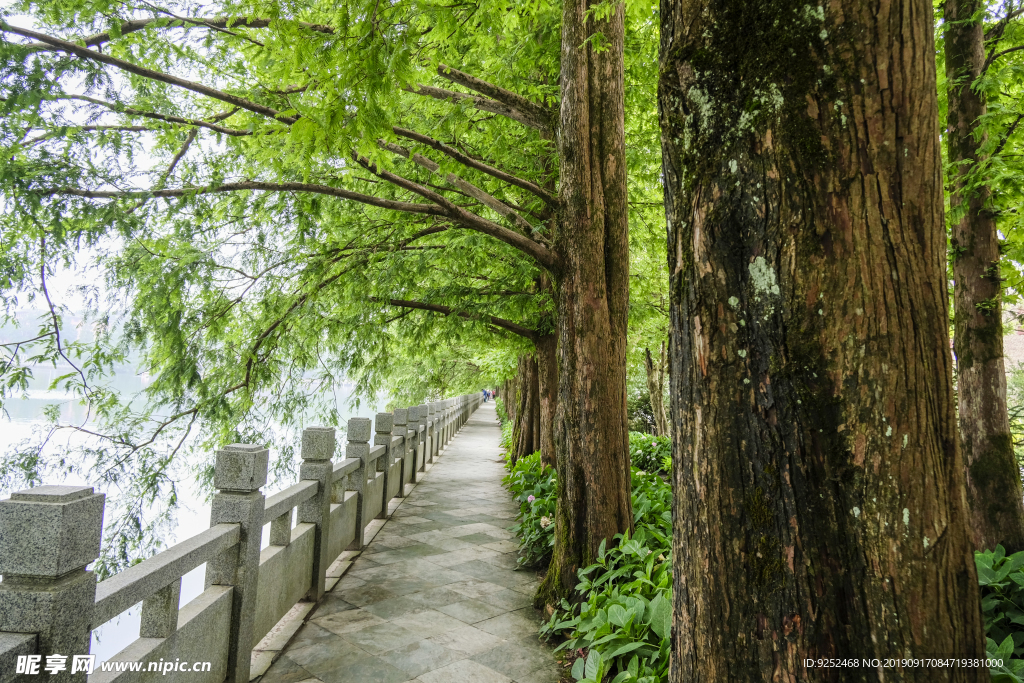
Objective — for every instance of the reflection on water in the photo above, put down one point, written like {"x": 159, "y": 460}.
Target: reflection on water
{"x": 193, "y": 514}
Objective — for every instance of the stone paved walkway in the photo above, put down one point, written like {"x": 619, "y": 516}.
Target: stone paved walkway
{"x": 434, "y": 597}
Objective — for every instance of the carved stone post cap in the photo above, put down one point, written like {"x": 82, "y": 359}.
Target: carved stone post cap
{"x": 384, "y": 423}
{"x": 401, "y": 416}
{"x": 49, "y": 531}
{"x": 360, "y": 429}
{"x": 241, "y": 467}
{"x": 318, "y": 443}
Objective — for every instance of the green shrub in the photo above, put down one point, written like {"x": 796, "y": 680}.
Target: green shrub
{"x": 534, "y": 486}
{"x": 626, "y": 618}
{"x": 1002, "y": 607}
{"x": 648, "y": 452}
{"x": 499, "y": 408}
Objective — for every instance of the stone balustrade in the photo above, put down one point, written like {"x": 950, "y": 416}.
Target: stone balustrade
{"x": 49, "y": 535}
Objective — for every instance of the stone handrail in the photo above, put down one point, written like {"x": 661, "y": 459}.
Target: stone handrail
{"x": 49, "y": 602}
{"x": 283, "y": 502}
{"x": 139, "y": 582}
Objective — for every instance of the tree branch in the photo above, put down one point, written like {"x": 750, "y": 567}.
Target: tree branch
{"x": 541, "y": 254}
{"x": 446, "y": 310}
{"x": 407, "y": 207}
{"x": 478, "y": 165}
{"x": 535, "y": 111}
{"x": 481, "y": 103}
{"x": 151, "y": 74}
{"x": 130, "y": 111}
{"x": 127, "y": 27}
{"x": 469, "y": 188}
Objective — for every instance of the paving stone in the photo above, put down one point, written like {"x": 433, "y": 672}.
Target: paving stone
{"x": 382, "y": 638}
{"x": 310, "y": 634}
{"x": 502, "y": 546}
{"x": 420, "y": 657}
{"x": 395, "y": 607}
{"x": 324, "y": 661}
{"x": 516, "y": 624}
{"x": 508, "y": 600}
{"x": 365, "y": 595}
{"x": 473, "y": 588}
{"x": 437, "y": 597}
{"x": 428, "y": 622}
{"x": 467, "y": 639}
{"x": 284, "y": 670}
{"x": 471, "y": 611}
{"x": 341, "y": 623}
{"x": 332, "y": 604}
{"x": 464, "y": 671}
{"x": 545, "y": 674}
{"x": 516, "y": 658}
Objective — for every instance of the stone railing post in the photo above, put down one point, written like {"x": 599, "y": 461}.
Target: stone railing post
{"x": 358, "y": 446}
{"x": 317, "y": 452}
{"x": 240, "y": 473}
{"x": 400, "y": 428}
{"x": 432, "y": 432}
{"x": 383, "y": 424}
{"x": 48, "y": 535}
{"x": 421, "y": 422}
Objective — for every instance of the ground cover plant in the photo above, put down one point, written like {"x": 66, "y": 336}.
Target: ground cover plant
{"x": 650, "y": 453}
{"x": 620, "y": 630}
{"x": 1001, "y": 578}
{"x": 534, "y": 486}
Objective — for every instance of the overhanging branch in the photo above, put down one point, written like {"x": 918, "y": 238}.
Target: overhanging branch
{"x": 83, "y": 53}
{"x": 447, "y": 310}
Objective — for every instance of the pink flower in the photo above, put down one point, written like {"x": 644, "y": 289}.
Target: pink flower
{"x": 530, "y": 499}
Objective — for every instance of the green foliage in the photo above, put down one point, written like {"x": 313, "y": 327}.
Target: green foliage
{"x": 499, "y": 408}
{"x": 626, "y": 619}
{"x": 1002, "y": 607}
{"x": 650, "y": 453}
{"x": 535, "y": 488}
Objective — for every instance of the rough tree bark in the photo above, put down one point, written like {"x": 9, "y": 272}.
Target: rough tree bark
{"x": 993, "y": 480}
{"x": 525, "y": 431}
{"x": 656, "y": 389}
{"x": 592, "y": 293}
{"x": 547, "y": 367}
{"x": 819, "y": 488}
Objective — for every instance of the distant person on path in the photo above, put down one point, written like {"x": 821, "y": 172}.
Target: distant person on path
{"x": 485, "y": 395}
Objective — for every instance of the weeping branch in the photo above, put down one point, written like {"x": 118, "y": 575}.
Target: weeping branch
{"x": 130, "y": 111}
{"x": 407, "y": 207}
{"x": 151, "y": 74}
{"x": 215, "y": 23}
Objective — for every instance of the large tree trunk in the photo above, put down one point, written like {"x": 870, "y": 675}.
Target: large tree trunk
{"x": 526, "y": 432}
{"x": 993, "y": 480}
{"x": 656, "y": 389}
{"x": 819, "y": 488}
{"x": 592, "y": 293}
{"x": 547, "y": 367}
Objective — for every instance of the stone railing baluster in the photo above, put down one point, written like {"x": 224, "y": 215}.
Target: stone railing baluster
{"x": 241, "y": 471}
{"x": 400, "y": 428}
{"x": 318, "y": 444}
{"x": 383, "y": 424}
{"x": 358, "y": 446}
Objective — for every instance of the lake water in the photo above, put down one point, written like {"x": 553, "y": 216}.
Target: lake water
{"x": 193, "y": 515}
